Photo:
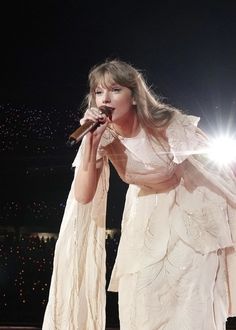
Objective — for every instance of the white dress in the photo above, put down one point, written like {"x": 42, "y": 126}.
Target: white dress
{"x": 176, "y": 258}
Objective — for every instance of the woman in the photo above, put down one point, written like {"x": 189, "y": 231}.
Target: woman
{"x": 175, "y": 262}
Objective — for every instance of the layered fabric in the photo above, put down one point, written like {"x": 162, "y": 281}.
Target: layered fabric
{"x": 184, "y": 290}
{"x": 179, "y": 218}
{"x": 77, "y": 293}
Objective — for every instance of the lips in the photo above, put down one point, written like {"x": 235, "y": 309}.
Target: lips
{"x": 107, "y": 110}
{"x": 110, "y": 113}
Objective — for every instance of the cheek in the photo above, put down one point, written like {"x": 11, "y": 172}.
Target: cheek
{"x": 98, "y": 101}
{"x": 128, "y": 103}
{"x": 125, "y": 101}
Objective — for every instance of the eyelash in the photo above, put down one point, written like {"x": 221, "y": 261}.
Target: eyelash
{"x": 116, "y": 89}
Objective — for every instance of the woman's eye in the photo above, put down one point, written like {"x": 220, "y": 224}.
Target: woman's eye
{"x": 98, "y": 92}
{"x": 116, "y": 89}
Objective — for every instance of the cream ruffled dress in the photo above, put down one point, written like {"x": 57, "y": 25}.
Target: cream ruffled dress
{"x": 176, "y": 263}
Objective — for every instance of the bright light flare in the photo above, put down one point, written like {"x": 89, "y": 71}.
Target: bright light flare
{"x": 223, "y": 150}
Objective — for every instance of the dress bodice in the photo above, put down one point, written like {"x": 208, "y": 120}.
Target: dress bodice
{"x": 141, "y": 160}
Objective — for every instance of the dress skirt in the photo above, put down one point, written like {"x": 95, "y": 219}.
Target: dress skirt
{"x": 170, "y": 270}
{"x": 186, "y": 290}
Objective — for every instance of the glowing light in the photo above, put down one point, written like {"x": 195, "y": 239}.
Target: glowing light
{"x": 223, "y": 150}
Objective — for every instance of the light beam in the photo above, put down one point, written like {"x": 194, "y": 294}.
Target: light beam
{"x": 222, "y": 150}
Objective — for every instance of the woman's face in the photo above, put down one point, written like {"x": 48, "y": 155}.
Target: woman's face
{"x": 118, "y": 97}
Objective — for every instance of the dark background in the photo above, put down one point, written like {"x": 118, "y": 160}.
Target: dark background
{"x": 185, "y": 49}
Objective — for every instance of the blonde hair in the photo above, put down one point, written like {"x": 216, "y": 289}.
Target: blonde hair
{"x": 151, "y": 112}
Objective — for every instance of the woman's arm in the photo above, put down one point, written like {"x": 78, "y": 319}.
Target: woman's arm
{"x": 88, "y": 174}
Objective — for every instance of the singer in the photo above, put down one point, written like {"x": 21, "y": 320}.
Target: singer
{"x": 176, "y": 262}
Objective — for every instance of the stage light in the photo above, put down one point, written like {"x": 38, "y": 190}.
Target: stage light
{"x": 222, "y": 150}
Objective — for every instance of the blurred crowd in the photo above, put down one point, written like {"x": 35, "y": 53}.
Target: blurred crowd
{"x": 31, "y": 130}
{"x": 25, "y": 274}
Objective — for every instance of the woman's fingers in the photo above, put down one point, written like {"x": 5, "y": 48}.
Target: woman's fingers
{"x": 93, "y": 114}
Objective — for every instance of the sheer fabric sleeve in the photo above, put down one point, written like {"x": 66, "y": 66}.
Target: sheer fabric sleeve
{"x": 77, "y": 292}
{"x": 185, "y": 138}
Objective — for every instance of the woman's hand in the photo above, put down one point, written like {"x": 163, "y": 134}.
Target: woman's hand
{"x": 90, "y": 168}
{"x": 95, "y": 115}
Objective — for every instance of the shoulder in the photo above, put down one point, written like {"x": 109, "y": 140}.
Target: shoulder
{"x": 184, "y": 137}
{"x": 181, "y": 126}
{"x": 184, "y": 120}
{"x": 178, "y": 125}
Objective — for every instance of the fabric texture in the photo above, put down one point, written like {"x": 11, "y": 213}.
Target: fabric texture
{"x": 176, "y": 201}
{"x": 77, "y": 292}
{"x": 185, "y": 290}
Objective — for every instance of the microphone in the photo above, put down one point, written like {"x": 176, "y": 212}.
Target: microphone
{"x": 88, "y": 126}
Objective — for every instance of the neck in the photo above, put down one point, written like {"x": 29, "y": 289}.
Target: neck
{"x": 129, "y": 128}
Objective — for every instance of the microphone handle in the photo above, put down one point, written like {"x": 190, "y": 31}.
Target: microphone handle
{"x": 78, "y": 135}
{"x": 88, "y": 126}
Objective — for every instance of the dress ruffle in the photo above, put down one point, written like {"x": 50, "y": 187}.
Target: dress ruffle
{"x": 183, "y": 137}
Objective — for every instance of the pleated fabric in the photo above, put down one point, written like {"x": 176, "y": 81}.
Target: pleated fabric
{"x": 77, "y": 293}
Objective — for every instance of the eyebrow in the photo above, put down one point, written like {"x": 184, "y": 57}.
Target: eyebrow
{"x": 107, "y": 86}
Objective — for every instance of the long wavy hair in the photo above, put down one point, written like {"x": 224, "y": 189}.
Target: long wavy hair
{"x": 151, "y": 112}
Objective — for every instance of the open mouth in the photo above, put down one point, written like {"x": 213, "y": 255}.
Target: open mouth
{"x": 107, "y": 110}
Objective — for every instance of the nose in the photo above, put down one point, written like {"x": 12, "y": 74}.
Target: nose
{"x": 106, "y": 97}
